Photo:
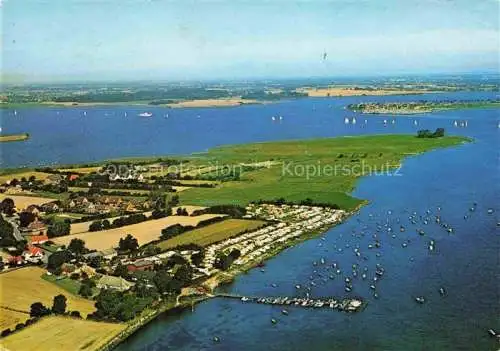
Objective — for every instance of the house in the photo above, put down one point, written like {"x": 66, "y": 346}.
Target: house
{"x": 33, "y": 254}
{"x": 72, "y": 177}
{"x": 114, "y": 283}
{"x": 89, "y": 271}
{"x": 51, "y": 207}
{"x": 140, "y": 265}
{"x": 91, "y": 255}
{"x": 53, "y": 179}
{"x": 16, "y": 261}
{"x": 109, "y": 253}
{"x": 35, "y": 228}
{"x": 68, "y": 268}
{"x": 39, "y": 239}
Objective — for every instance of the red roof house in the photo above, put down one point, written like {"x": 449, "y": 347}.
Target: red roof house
{"x": 39, "y": 239}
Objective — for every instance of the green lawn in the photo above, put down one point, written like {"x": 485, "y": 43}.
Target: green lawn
{"x": 341, "y": 162}
{"x": 70, "y": 285}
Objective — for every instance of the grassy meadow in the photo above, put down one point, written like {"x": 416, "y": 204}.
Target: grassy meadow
{"x": 352, "y": 157}
{"x": 211, "y": 233}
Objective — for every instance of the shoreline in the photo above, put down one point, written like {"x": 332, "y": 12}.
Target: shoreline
{"x": 218, "y": 280}
{"x": 419, "y": 108}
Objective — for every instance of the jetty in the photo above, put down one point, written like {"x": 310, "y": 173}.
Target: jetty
{"x": 350, "y": 305}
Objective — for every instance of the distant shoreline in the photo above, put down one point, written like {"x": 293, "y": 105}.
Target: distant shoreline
{"x": 413, "y": 108}
{"x": 14, "y": 137}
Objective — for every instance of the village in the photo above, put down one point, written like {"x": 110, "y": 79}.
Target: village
{"x": 101, "y": 240}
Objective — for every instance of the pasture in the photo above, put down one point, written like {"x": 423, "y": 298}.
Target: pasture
{"x": 212, "y": 233}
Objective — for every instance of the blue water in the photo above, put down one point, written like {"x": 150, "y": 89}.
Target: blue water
{"x": 65, "y": 135}
{"x": 465, "y": 263}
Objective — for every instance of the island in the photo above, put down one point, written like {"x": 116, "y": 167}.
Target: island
{"x": 418, "y": 107}
{"x": 13, "y": 137}
{"x": 99, "y": 250}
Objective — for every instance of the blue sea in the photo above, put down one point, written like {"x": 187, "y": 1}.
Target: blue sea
{"x": 459, "y": 184}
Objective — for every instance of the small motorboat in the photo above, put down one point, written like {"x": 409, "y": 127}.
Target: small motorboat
{"x": 145, "y": 114}
{"x": 420, "y": 299}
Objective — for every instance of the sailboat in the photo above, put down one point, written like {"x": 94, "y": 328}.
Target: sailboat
{"x": 353, "y": 120}
{"x": 15, "y": 112}
{"x": 415, "y": 122}
{"x": 281, "y": 118}
{"x": 85, "y": 113}
{"x": 455, "y": 124}
{"x": 385, "y": 121}
{"x": 393, "y": 121}
{"x": 466, "y": 123}
{"x": 346, "y": 120}
{"x": 273, "y": 118}
{"x": 125, "y": 114}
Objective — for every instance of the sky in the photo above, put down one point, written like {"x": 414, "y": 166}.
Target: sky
{"x": 232, "y": 39}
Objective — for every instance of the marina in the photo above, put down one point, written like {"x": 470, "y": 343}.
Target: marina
{"x": 344, "y": 305}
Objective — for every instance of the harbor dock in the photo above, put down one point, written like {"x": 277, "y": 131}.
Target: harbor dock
{"x": 350, "y": 305}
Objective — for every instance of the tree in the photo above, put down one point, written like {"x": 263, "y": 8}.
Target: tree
{"x": 6, "y": 233}
{"x": 25, "y": 218}
{"x": 58, "y": 258}
{"x": 121, "y": 271}
{"x": 95, "y": 226}
{"x": 197, "y": 258}
{"x": 7, "y": 206}
{"x": 183, "y": 274}
{"x": 85, "y": 290}
{"x": 75, "y": 314}
{"x": 77, "y": 246}
{"x": 58, "y": 228}
{"x": 59, "y": 304}
{"x": 129, "y": 243}
{"x": 162, "y": 281}
{"x": 37, "y": 309}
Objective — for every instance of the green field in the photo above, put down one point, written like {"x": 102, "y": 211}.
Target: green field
{"x": 211, "y": 233}
{"x": 338, "y": 162}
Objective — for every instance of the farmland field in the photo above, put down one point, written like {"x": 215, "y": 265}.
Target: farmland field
{"x": 144, "y": 232}
{"x": 10, "y": 318}
{"x": 61, "y": 333}
{"x": 39, "y": 175}
{"x": 22, "y": 287}
{"x": 22, "y": 202}
{"x": 212, "y": 233}
{"x": 333, "y": 166}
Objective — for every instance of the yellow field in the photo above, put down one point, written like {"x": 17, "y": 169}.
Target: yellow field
{"x": 14, "y": 137}
{"x": 213, "y": 102}
{"x": 349, "y": 91}
{"x": 21, "y": 202}
{"x": 84, "y": 170}
{"x": 10, "y": 318}
{"x": 22, "y": 287}
{"x": 212, "y": 233}
{"x": 39, "y": 175}
{"x": 144, "y": 232}
{"x": 84, "y": 226}
{"x": 62, "y": 333}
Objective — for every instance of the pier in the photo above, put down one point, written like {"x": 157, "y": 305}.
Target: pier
{"x": 350, "y": 305}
